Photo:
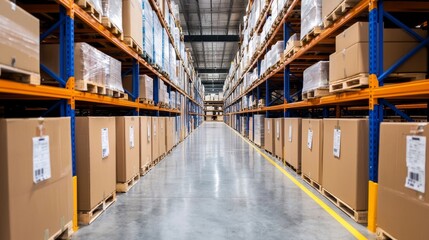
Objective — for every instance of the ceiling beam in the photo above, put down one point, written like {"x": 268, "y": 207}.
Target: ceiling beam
{"x": 212, "y": 38}
{"x": 212, "y": 70}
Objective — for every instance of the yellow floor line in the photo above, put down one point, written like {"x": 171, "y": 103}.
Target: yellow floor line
{"x": 328, "y": 209}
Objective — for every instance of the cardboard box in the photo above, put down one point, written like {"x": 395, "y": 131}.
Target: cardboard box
{"x": 132, "y": 21}
{"x": 155, "y": 138}
{"x": 278, "y": 137}
{"x": 127, "y": 148}
{"x": 355, "y": 60}
{"x": 359, "y": 33}
{"x": 162, "y": 144}
{"x": 328, "y": 6}
{"x": 269, "y": 135}
{"x": 95, "y": 160}
{"x": 345, "y": 160}
{"x": 169, "y": 136}
{"x": 145, "y": 141}
{"x": 292, "y": 142}
{"x": 312, "y": 149}
{"x": 34, "y": 210}
{"x": 145, "y": 86}
{"x": 19, "y": 41}
{"x": 402, "y": 212}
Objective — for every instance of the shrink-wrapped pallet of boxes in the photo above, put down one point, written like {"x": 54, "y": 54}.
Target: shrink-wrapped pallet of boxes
{"x": 316, "y": 81}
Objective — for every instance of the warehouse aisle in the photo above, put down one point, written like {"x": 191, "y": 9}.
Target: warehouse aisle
{"x": 216, "y": 186}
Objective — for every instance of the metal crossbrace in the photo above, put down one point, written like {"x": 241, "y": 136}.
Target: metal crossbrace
{"x": 396, "y": 110}
{"x": 423, "y": 43}
{"x": 52, "y": 74}
{"x": 50, "y": 109}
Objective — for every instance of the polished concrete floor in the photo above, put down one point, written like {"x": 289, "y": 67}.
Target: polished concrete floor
{"x": 214, "y": 185}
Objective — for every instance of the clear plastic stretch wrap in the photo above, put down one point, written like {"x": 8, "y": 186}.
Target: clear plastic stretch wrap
{"x": 291, "y": 42}
{"x": 148, "y": 28}
{"x": 311, "y": 15}
{"x": 157, "y": 36}
{"x": 146, "y": 88}
{"x": 114, "y": 78}
{"x": 161, "y": 96}
{"x": 90, "y": 64}
{"x": 165, "y": 51}
{"x": 112, "y": 9}
{"x": 166, "y": 95}
{"x": 173, "y": 99}
{"x": 19, "y": 40}
{"x": 244, "y": 102}
{"x": 258, "y": 129}
{"x": 97, "y": 5}
{"x": 316, "y": 76}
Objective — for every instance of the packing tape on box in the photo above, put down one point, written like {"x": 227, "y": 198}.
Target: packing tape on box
{"x": 40, "y": 130}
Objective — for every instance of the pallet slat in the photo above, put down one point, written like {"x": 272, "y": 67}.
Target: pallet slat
{"x": 315, "y": 93}
{"x": 358, "y": 216}
{"x": 64, "y": 233}
{"x": 87, "y": 217}
{"x": 18, "y": 75}
{"x": 312, "y": 183}
{"x": 383, "y": 235}
{"x": 125, "y": 187}
{"x": 339, "y": 11}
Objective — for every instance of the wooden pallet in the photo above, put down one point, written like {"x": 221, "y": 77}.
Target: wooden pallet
{"x": 64, "y": 233}
{"x": 91, "y": 87}
{"x": 18, "y": 75}
{"x": 133, "y": 45}
{"x": 358, "y": 216}
{"x": 146, "y": 101}
{"x": 116, "y": 94}
{"x": 125, "y": 187}
{"x": 312, "y": 183}
{"x": 383, "y": 235}
{"x": 315, "y": 93}
{"x": 88, "y": 7}
{"x": 145, "y": 169}
{"x": 293, "y": 50}
{"x": 146, "y": 57}
{"x": 311, "y": 35}
{"x": 105, "y": 21}
{"x": 297, "y": 170}
{"x": 87, "y": 217}
{"x": 339, "y": 11}
{"x": 353, "y": 83}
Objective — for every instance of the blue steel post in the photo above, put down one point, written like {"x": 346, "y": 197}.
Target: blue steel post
{"x": 156, "y": 92}
{"x": 376, "y": 110}
{"x": 286, "y": 72}
{"x": 136, "y": 84}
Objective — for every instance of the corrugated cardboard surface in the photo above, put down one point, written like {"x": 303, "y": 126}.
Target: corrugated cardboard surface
{"x": 278, "y": 137}
{"x": 162, "y": 130}
{"x": 359, "y": 33}
{"x": 354, "y": 60}
{"x": 16, "y": 54}
{"x": 155, "y": 138}
{"x": 145, "y": 141}
{"x": 269, "y": 134}
{"x": 312, "y": 159}
{"x": 169, "y": 136}
{"x": 132, "y": 20}
{"x": 346, "y": 177}
{"x": 292, "y": 141}
{"x": 29, "y": 209}
{"x": 402, "y": 212}
{"x": 127, "y": 157}
{"x": 329, "y": 6}
{"x": 97, "y": 175}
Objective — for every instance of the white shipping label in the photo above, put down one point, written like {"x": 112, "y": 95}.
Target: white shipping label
{"x": 148, "y": 133}
{"x": 131, "y": 135}
{"x": 416, "y": 163}
{"x": 268, "y": 126}
{"x": 337, "y": 142}
{"x": 310, "y": 139}
{"x": 41, "y": 159}
{"x": 278, "y": 129}
{"x": 104, "y": 142}
{"x": 290, "y": 133}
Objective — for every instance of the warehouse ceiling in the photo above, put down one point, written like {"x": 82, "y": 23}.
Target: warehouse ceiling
{"x": 211, "y": 29}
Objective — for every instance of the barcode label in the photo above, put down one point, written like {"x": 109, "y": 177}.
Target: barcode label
{"x": 337, "y": 142}
{"x": 310, "y": 139}
{"x": 416, "y": 163}
{"x": 290, "y": 133}
{"x": 41, "y": 159}
{"x": 104, "y": 142}
{"x": 131, "y": 135}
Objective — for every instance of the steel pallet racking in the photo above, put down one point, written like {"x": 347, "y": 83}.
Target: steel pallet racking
{"x": 64, "y": 16}
{"x": 375, "y": 100}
